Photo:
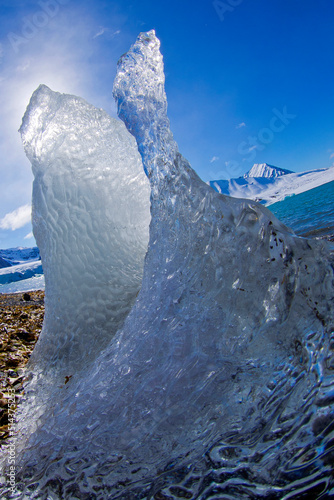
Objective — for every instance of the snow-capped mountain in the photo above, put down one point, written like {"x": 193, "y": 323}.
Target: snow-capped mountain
{"x": 4, "y": 263}
{"x": 20, "y": 270}
{"x": 269, "y": 190}
{"x": 19, "y": 255}
{"x": 265, "y": 170}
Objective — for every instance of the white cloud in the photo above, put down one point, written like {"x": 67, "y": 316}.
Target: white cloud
{"x": 331, "y": 156}
{"x": 102, "y": 31}
{"x": 242, "y": 124}
{"x": 214, "y": 158}
{"x": 16, "y": 219}
{"x": 23, "y": 67}
{"x": 29, "y": 236}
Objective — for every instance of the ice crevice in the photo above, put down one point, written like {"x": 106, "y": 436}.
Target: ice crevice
{"x": 213, "y": 358}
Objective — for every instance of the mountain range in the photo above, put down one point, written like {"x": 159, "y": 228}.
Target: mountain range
{"x": 268, "y": 184}
{"x": 22, "y": 265}
{"x": 19, "y": 255}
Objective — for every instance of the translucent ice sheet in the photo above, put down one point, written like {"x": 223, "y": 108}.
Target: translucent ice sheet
{"x": 220, "y": 382}
{"x": 90, "y": 220}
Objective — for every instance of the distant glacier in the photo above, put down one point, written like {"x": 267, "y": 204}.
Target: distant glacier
{"x": 21, "y": 270}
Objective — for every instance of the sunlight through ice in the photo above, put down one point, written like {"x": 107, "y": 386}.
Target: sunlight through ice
{"x": 220, "y": 380}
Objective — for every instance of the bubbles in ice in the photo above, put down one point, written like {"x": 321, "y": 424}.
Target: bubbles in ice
{"x": 220, "y": 380}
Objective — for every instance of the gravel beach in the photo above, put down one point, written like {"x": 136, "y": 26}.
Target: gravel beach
{"x": 21, "y": 319}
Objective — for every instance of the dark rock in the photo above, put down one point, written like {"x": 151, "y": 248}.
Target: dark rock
{"x": 24, "y": 335}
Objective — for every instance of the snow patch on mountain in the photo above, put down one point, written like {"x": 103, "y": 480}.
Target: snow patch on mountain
{"x": 265, "y": 170}
{"x": 20, "y": 270}
{"x": 4, "y": 263}
{"x": 269, "y": 190}
{"x": 19, "y": 255}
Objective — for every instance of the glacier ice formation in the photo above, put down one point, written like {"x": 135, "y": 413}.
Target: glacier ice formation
{"x": 91, "y": 217}
{"x": 219, "y": 383}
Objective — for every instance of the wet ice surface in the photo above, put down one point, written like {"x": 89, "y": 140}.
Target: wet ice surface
{"x": 90, "y": 219}
{"x": 219, "y": 384}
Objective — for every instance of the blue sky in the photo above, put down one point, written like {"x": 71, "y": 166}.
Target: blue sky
{"x": 247, "y": 81}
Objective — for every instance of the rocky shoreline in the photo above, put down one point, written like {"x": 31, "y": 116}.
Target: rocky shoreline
{"x": 21, "y": 320}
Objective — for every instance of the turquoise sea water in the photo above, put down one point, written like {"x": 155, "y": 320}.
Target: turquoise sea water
{"x": 309, "y": 214}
